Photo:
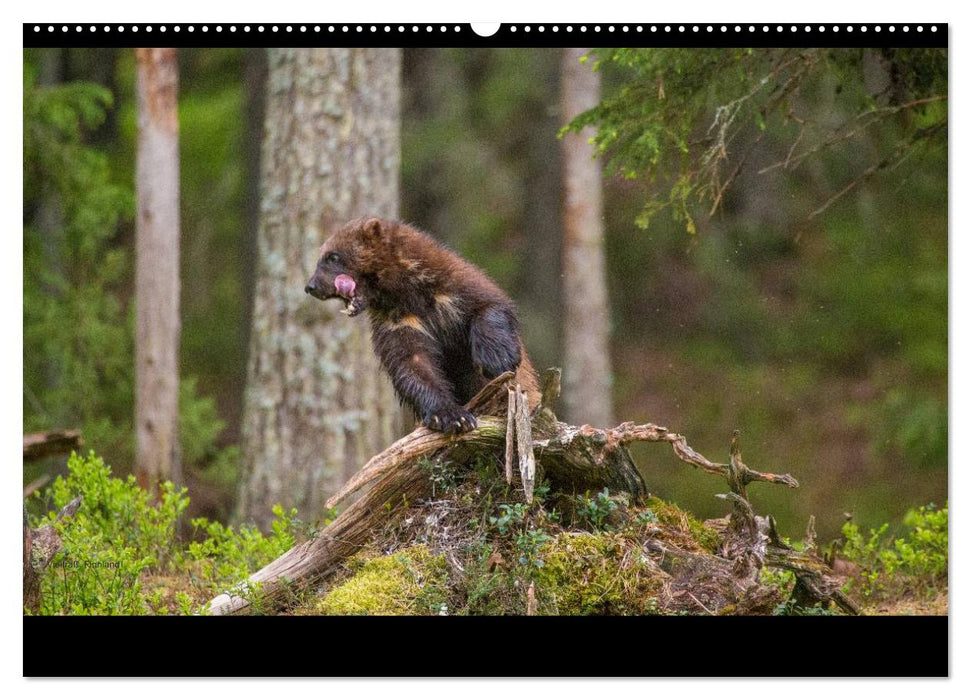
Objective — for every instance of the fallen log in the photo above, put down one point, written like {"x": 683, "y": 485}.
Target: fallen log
{"x": 40, "y": 445}
{"x": 572, "y": 459}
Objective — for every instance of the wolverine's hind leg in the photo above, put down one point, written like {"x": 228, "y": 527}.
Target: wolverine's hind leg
{"x": 494, "y": 339}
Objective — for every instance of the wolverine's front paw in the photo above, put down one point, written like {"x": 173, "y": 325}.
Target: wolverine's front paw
{"x": 450, "y": 420}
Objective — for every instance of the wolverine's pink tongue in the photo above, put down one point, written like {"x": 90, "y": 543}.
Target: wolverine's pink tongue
{"x": 345, "y": 285}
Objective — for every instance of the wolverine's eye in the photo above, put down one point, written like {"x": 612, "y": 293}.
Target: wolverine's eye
{"x": 332, "y": 258}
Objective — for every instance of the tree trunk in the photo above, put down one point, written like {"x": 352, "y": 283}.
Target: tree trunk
{"x": 317, "y": 404}
{"x": 586, "y": 314}
{"x": 254, "y": 113}
{"x": 157, "y": 456}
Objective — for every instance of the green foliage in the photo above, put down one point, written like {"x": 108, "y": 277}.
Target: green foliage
{"x": 200, "y": 427}
{"x": 914, "y": 424}
{"x": 77, "y": 371}
{"x": 118, "y": 510}
{"x": 677, "y": 113}
{"x": 122, "y": 554}
{"x": 529, "y": 544}
{"x": 915, "y": 563}
{"x": 225, "y": 555}
{"x": 467, "y": 140}
{"x": 116, "y": 535}
{"x": 511, "y": 516}
{"x": 443, "y": 475}
{"x": 78, "y": 335}
{"x": 596, "y": 510}
{"x": 645, "y": 517}
{"x": 777, "y": 578}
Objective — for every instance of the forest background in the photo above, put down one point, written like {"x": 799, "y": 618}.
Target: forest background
{"x": 823, "y": 337}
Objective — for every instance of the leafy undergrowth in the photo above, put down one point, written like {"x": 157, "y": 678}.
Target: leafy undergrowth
{"x": 473, "y": 548}
{"x": 906, "y": 574}
{"x": 121, "y": 554}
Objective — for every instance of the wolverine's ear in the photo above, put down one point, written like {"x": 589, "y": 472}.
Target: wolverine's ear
{"x": 373, "y": 231}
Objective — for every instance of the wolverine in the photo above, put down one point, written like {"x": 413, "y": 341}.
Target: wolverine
{"x": 440, "y": 327}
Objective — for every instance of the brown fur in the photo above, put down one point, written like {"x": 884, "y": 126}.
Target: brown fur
{"x": 440, "y": 326}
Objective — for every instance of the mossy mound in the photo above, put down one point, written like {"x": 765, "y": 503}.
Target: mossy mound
{"x": 596, "y": 574}
{"x": 475, "y": 548}
{"x": 396, "y": 584}
{"x": 670, "y": 514}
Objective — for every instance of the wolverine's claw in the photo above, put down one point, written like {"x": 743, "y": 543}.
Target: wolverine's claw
{"x": 451, "y": 421}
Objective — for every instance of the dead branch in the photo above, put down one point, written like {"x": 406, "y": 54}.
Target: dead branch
{"x": 422, "y": 442}
{"x": 852, "y": 127}
{"x": 648, "y": 432}
{"x": 524, "y": 443}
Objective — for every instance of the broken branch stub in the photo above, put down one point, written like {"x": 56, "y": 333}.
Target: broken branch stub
{"x": 510, "y": 433}
{"x": 524, "y": 444}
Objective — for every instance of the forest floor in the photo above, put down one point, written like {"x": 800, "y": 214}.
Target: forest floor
{"x": 473, "y": 547}
{"x": 910, "y": 605}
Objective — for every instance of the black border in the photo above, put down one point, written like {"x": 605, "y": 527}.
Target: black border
{"x": 493, "y": 647}
{"x": 296, "y": 34}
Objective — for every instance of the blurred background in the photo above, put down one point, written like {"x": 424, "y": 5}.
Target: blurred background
{"x": 809, "y": 310}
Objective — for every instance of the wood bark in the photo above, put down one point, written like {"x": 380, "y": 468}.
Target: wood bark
{"x": 586, "y": 312}
{"x": 157, "y": 229}
{"x": 316, "y": 403}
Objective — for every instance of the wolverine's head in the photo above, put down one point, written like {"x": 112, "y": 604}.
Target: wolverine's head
{"x": 349, "y": 261}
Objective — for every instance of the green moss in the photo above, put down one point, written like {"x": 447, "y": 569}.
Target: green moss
{"x": 670, "y": 514}
{"x": 587, "y": 574}
{"x": 408, "y": 582}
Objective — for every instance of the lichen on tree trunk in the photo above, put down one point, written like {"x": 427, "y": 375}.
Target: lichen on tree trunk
{"x": 316, "y": 403}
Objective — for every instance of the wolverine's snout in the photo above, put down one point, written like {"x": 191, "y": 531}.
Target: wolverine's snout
{"x": 315, "y": 289}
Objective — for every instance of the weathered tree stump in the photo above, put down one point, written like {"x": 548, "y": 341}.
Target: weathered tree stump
{"x": 40, "y": 547}
{"x": 572, "y": 459}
